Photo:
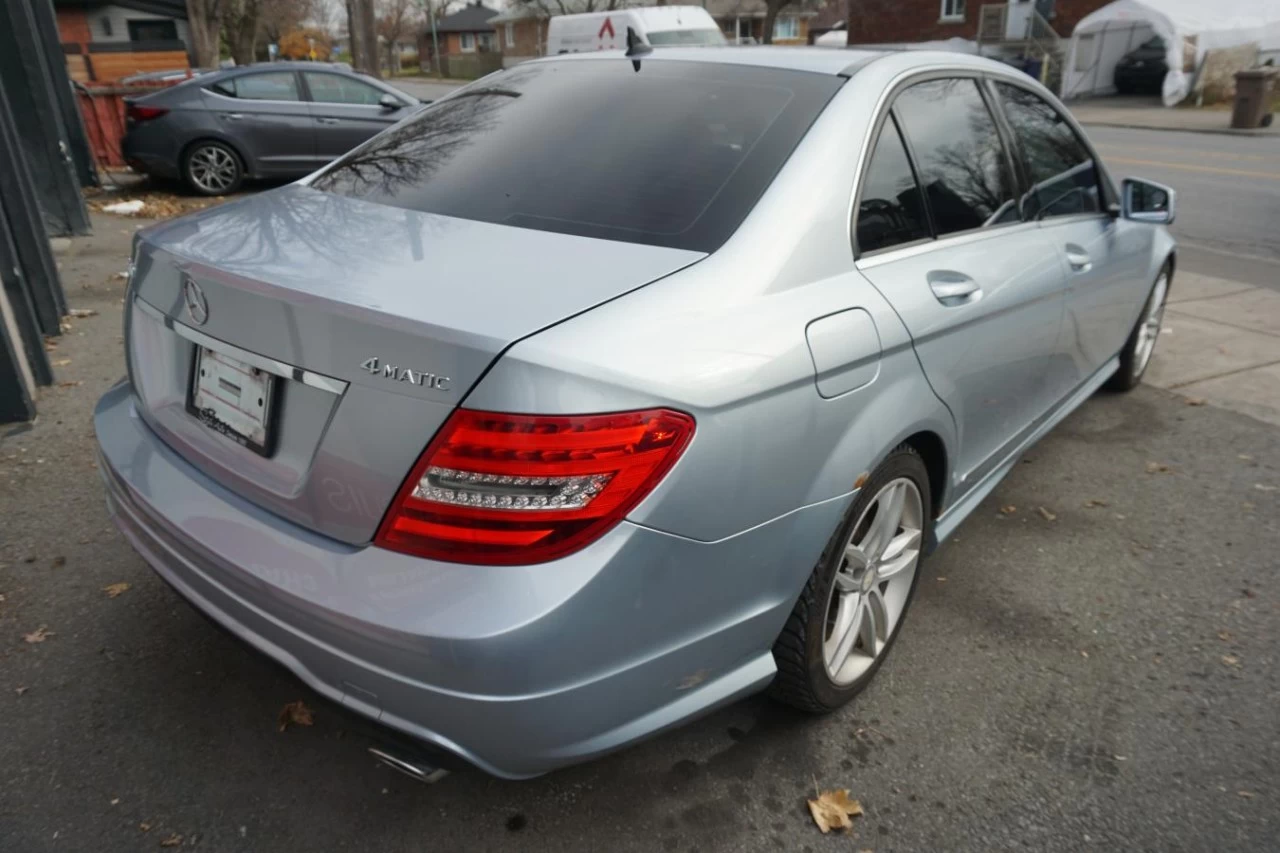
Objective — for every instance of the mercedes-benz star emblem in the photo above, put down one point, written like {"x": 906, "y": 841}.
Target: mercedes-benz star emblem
{"x": 193, "y": 296}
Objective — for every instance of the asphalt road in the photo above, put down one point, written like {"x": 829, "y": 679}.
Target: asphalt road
{"x": 1094, "y": 677}
{"x": 1228, "y": 195}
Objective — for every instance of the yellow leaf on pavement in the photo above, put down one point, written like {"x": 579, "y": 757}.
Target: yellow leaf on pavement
{"x": 39, "y": 635}
{"x": 833, "y": 810}
{"x": 116, "y": 589}
{"x": 295, "y": 713}
{"x": 1008, "y": 509}
{"x": 1046, "y": 515}
{"x": 172, "y": 841}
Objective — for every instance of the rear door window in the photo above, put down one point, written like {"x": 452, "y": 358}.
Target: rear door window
{"x": 673, "y": 154}
{"x": 266, "y": 86}
{"x": 890, "y": 207}
{"x": 1062, "y": 173}
{"x": 963, "y": 166}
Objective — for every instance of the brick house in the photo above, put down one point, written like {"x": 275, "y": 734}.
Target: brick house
{"x": 742, "y": 21}
{"x": 106, "y": 40}
{"x": 468, "y": 44}
{"x": 896, "y": 21}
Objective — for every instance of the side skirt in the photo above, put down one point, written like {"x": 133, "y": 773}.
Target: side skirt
{"x": 959, "y": 511}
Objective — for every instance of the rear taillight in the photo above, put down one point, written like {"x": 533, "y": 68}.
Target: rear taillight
{"x": 142, "y": 112}
{"x": 503, "y": 489}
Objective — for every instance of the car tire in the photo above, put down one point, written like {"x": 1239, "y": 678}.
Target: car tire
{"x": 1136, "y": 355}
{"x": 212, "y": 168}
{"x": 812, "y": 674}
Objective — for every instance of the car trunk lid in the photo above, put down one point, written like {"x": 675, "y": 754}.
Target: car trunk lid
{"x": 375, "y": 322}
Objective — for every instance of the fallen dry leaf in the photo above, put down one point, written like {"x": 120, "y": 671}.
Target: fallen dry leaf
{"x": 144, "y": 826}
{"x": 1265, "y": 488}
{"x": 115, "y": 801}
{"x": 1224, "y": 636}
{"x": 1157, "y": 468}
{"x": 1231, "y": 660}
{"x": 1244, "y": 456}
{"x": 1194, "y": 401}
{"x": 59, "y": 562}
{"x": 172, "y": 841}
{"x": 1248, "y": 795}
{"x": 1046, "y": 515}
{"x": 833, "y": 810}
{"x": 295, "y": 713}
{"x": 21, "y": 690}
{"x": 39, "y": 635}
{"x": 71, "y": 384}
{"x": 1094, "y": 502}
{"x": 1084, "y": 654}
{"x": 82, "y": 312}
{"x": 1008, "y": 509}
{"x": 60, "y": 362}
{"x": 116, "y": 589}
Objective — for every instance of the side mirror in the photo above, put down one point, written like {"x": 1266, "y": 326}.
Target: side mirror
{"x": 389, "y": 102}
{"x": 1147, "y": 201}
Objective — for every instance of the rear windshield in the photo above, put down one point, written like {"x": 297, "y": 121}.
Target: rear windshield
{"x": 673, "y": 154}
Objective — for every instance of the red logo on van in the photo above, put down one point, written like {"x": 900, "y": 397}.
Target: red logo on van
{"x": 607, "y": 26}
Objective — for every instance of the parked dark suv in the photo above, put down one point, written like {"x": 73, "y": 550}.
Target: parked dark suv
{"x": 1142, "y": 70}
{"x": 282, "y": 119}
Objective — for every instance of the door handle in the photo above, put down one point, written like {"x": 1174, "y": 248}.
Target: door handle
{"x": 1078, "y": 258}
{"x": 953, "y": 288}
{"x": 324, "y": 120}
{"x": 233, "y": 116}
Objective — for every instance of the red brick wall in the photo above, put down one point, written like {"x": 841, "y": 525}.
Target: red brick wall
{"x": 73, "y": 26}
{"x": 879, "y": 21}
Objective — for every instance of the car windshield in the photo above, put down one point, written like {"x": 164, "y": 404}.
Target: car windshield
{"x": 672, "y": 154}
{"x": 685, "y": 37}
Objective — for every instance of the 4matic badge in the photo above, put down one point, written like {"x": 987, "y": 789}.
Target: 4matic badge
{"x": 405, "y": 374}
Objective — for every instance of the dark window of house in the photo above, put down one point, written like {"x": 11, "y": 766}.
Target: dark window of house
{"x": 672, "y": 154}
{"x": 890, "y": 208}
{"x": 337, "y": 89}
{"x": 269, "y": 86}
{"x": 1061, "y": 170}
{"x": 961, "y": 161}
{"x": 153, "y": 31}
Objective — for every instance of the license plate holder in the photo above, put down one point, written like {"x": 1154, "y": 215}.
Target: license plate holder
{"x": 233, "y": 399}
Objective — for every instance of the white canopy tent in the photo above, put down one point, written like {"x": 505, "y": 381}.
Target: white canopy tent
{"x": 1190, "y": 28}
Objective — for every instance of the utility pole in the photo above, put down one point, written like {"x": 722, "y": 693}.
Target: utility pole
{"x": 373, "y": 66}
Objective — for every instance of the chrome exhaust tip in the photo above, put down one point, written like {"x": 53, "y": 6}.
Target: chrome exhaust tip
{"x": 414, "y": 770}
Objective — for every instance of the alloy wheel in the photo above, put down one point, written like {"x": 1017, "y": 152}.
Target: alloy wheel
{"x": 1149, "y": 328}
{"x": 874, "y": 581}
{"x": 213, "y": 168}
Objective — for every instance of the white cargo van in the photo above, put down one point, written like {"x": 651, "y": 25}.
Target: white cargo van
{"x": 660, "y": 26}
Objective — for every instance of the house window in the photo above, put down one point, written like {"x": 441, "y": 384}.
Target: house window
{"x": 468, "y": 42}
{"x": 485, "y": 41}
{"x": 510, "y": 30}
{"x": 156, "y": 30}
{"x": 786, "y": 28}
{"x": 953, "y": 10}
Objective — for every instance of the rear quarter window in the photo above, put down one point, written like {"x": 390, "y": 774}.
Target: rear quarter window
{"x": 674, "y": 154}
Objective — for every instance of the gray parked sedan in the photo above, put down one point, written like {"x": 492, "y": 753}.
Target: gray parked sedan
{"x": 609, "y": 390}
{"x": 281, "y": 120}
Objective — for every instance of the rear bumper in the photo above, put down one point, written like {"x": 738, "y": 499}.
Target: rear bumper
{"x": 150, "y": 152}
{"x": 517, "y": 670}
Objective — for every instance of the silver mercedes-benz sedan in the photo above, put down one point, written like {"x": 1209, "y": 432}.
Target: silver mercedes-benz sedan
{"x": 610, "y": 389}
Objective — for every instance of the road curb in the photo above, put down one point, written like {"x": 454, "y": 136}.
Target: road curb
{"x": 1220, "y": 131}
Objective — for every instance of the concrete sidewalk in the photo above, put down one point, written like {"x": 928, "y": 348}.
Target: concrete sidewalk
{"x": 1221, "y": 344}
{"x": 1148, "y": 113}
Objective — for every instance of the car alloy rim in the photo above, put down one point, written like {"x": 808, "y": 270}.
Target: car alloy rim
{"x": 212, "y": 168}
{"x": 874, "y": 579}
{"x": 1149, "y": 329}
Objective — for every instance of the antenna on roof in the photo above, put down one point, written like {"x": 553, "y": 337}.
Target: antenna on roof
{"x": 636, "y": 48}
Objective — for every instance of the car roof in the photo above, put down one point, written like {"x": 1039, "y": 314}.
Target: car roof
{"x": 819, "y": 60}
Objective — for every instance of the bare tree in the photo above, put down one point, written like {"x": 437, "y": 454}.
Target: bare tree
{"x": 771, "y": 10}
{"x": 242, "y": 28}
{"x": 549, "y": 8}
{"x": 204, "y": 19}
{"x": 395, "y": 21}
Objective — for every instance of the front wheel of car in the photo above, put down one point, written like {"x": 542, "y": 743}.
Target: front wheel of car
{"x": 1137, "y": 351}
{"x": 856, "y": 599}
{"x": 212, "y": 168}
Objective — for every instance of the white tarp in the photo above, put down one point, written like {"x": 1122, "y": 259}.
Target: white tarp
{"x": 1189, "y": 28}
